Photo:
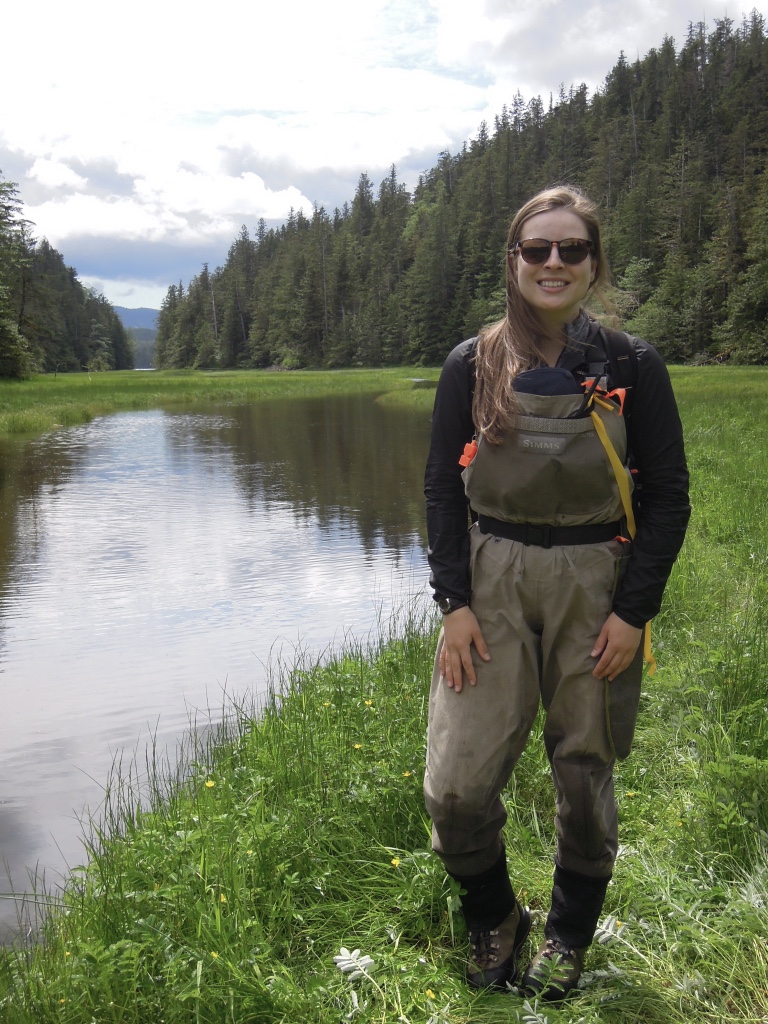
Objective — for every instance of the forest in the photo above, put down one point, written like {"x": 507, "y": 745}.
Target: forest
{"x": 48, "y": 320}
{"x": 673, "y": 148}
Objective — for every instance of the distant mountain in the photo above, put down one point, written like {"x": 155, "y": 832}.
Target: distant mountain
{"x": 142, "y": 317}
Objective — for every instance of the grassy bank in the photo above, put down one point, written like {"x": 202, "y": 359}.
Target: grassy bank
{"x": 299, "y": 828}
{"x": 45, "y": 401}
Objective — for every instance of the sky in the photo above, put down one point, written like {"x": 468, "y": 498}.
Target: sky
{"x": 143, "y": 136}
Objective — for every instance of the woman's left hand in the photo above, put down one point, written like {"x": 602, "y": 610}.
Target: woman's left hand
{"x": 616, "y": 647}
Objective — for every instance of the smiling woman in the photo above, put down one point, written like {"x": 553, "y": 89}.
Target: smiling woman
{"x": 545, "y": 598}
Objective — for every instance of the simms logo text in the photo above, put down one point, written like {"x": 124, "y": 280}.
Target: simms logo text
{"x": 552, "y": 445}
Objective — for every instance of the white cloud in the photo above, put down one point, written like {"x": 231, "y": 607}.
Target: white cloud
{"x": 56, "y": 175}
{"x": 214, "y": 199}
{"x": 125, "y": 218}
{"x": 133, "y": 294}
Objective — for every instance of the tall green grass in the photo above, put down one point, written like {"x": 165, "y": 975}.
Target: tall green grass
{"x": 47, "y": 401}
{"x": 220, "y": 889}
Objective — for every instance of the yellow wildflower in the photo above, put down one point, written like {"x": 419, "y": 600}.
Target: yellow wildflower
{"x": 326, "y": 703}
{"x": 358, "y": 746}
{"x": 407, "y": 774}
{"x": 214, "y": 954}
{"x": 222, "y": 898}
{"x": 395, "y": 862}
{"x": 210, "y": 784}
{"x": 431, "y": 994}
{"x": 369, "y": 703}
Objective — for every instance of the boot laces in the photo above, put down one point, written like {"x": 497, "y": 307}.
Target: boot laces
{"x": 484, "y": 949}
{"x": 555, "y": 947}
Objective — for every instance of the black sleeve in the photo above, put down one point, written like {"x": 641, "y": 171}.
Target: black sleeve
{"x": 655, "y": 439}
{"x": 447, "y": 505}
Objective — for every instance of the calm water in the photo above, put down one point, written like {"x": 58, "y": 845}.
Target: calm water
{"x": 153, "y": 561}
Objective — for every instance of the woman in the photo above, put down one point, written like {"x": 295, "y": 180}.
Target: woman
{"x": 544, "y": 598}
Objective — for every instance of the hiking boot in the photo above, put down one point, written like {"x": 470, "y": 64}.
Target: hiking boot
{"x": 554, "y": 971}
{"x": 493, "y": 960}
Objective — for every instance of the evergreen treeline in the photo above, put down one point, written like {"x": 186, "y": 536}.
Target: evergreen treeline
{"x": 674, "y": 149}
{"x": 48, "y": 320}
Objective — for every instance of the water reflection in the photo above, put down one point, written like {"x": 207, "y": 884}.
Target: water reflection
{"x": 151, "y": 560}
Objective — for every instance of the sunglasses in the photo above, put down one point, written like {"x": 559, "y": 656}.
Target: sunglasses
{"x": 537, "y": 250}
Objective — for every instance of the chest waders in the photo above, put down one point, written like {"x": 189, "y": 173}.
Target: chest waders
{"x": 546, "y": 555}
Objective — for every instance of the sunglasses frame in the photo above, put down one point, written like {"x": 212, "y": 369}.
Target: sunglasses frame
{"x": 566, "y": 258}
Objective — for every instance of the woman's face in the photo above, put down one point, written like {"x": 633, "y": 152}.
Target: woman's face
{"x": 555, "y": 289}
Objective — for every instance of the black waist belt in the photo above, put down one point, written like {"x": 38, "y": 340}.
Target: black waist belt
{"x": 547, "y": 536}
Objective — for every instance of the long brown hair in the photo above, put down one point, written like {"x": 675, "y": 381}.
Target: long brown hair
{"x": 515, "y": 343}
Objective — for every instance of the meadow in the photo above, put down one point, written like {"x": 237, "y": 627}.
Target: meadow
{"x": 281, "y": 873}
{"x": 47, "y": 401}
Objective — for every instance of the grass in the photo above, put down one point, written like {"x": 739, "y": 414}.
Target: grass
{"x": 221, "y": 889}
{"x": 45, "y": 402}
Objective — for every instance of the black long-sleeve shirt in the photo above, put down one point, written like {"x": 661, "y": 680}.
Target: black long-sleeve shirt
{"x": 655, "y": 441}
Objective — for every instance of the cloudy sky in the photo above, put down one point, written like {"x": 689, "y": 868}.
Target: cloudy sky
{"x": 143, "y": 135}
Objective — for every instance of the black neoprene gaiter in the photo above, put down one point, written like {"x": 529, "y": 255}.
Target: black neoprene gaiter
{"x": 489, "y": 897}
{"x": 577, "y": 901}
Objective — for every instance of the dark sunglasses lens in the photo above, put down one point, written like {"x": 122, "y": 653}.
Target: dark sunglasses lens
{"x": 535, "y": 250}
{"x": 573, "y": 250}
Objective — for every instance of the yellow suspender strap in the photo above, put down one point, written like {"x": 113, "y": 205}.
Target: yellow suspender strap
{"x": 626, "y": 500}
{"x": 619, "y": 472}
{"x": 647, "y": 652}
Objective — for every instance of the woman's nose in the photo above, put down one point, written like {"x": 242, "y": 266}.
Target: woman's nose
{"x": 554, "y": 260}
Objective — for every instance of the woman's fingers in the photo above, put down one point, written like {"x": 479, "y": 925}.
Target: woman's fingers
{"x": 615, "y": 647}
{"x": 460, "y": 631}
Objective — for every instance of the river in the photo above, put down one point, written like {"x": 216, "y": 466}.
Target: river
{"x": 156, "y": 564}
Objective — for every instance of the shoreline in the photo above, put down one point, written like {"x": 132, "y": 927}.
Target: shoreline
{"x": 46, "y": 402}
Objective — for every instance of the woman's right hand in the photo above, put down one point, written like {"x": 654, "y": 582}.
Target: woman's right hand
{"x": 460, "y": 630}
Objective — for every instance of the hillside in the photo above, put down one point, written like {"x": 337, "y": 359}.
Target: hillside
{"x": 673, "y": 148}
{"x": 139, "y": 317}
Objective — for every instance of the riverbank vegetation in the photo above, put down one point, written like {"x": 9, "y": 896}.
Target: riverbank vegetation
{"x": 295, "y": 833}
{"x": 673, "y": 150}
{"x": 47, "y": 401}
